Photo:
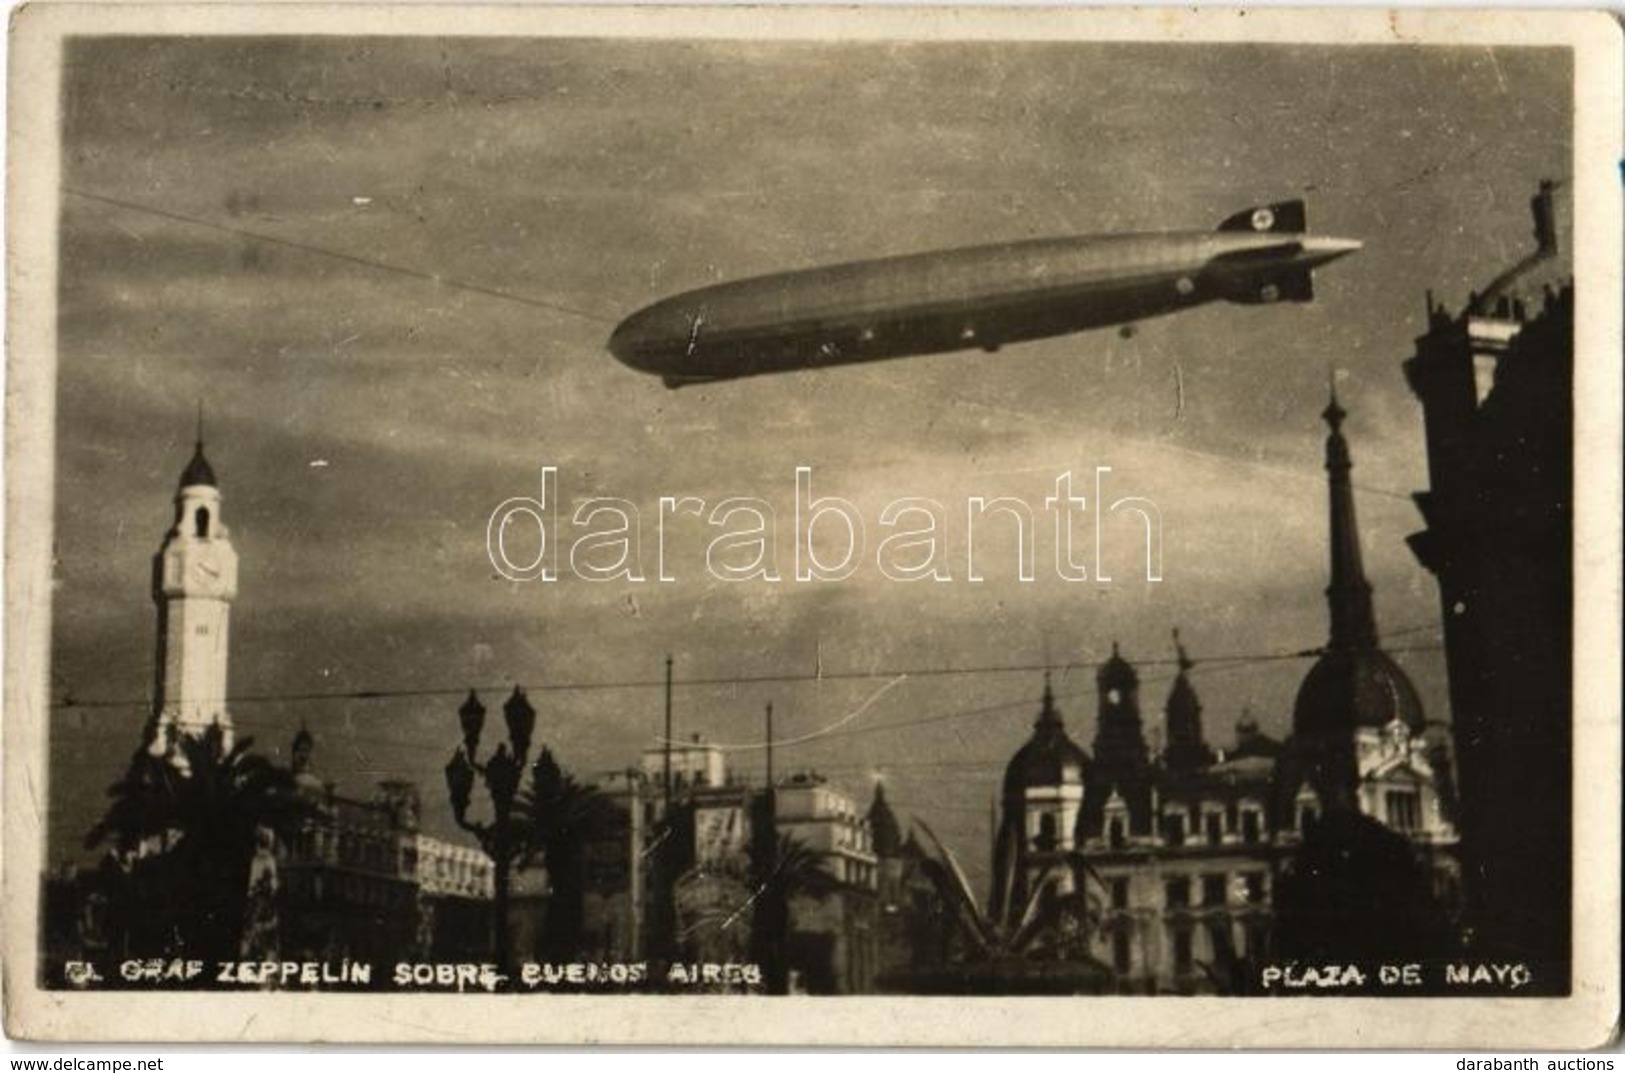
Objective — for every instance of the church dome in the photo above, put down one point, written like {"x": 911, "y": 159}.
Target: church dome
{"x": 1050, "y": 757}
{"x": 198, "y": 471}
{"x": 1355, "y": 687}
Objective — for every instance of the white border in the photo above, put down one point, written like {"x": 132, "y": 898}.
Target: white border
{"x": 1587, "y": 1018}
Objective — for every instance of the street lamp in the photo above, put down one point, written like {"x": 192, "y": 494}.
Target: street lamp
{"x": 501, "y": 773}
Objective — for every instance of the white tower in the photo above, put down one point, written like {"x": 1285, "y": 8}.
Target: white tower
{"x": 194, "y": 579}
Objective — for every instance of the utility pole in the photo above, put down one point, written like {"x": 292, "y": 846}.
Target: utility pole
{"x": 661, "y": 853}
{"x": 773, "y": 907}
{"x": 634, "y": 864}
{"x": 666, "y": 760}
{"x": 770, "y": 747}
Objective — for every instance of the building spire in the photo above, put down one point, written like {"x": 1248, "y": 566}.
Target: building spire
{"x": 1048, "y": 716}
{"x": 1187, "y": 748}
{"x": 1119, "y": 737}
{"x": 1349, "y": 594}
{"x": 198, "y": 472}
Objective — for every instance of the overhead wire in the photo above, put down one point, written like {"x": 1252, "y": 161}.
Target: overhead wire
{"x": 1207, "y": 665}
{"x": 340, "y": 255}
{"x": 843, "y": 731}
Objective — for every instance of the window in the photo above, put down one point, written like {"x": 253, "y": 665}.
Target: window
{"x": 1213, "y": 889}
{"x": 1173, "y": 828}
{"x": 1214, "y": 822}
{"x": 1115, "y": 833}
{"x": 200, "y": 521}
{"x": 1121, "y": 959}
{"x": 1046, "y": 832}
{"x": 1254, "y": 882}
{"x": 1120, "y": 892}
{"x": 1404, "y": 810}
{"x": 1178, "y": 892}
{"x": 1182, "y": 950}
{"x": 1218, "y": 936}
{"x": 1308, "y": 816}
{"x": 1249, "y": 826}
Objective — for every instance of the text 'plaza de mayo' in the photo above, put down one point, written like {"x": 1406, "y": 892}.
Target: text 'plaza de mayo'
{"x": 1375, "y": 837}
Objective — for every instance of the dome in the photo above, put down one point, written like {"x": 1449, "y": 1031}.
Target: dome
{"x": 1050, "y": 757}
{"x": 1117, "y": 672}
{"x": 198, "y": 471}
{"x": 1250, "y": 741}
{"x": 1351, "y": 688}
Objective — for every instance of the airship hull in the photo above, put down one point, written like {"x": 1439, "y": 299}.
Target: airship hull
{"x": 975, "y": 298}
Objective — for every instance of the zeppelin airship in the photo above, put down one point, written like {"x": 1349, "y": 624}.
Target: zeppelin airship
{"x": 975, "y": 297}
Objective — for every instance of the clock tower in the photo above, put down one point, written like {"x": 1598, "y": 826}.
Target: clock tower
{"x": 194, "y": 579}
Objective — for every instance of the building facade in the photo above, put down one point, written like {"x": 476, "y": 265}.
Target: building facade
{"x": 689, "y": 892}
{"x": 360, "y": 879}
{"x": 1189, "y": 852}
{"x": 1496, "y": 383}
{"x": 833, "y": 941}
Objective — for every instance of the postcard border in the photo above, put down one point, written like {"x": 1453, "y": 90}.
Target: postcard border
{"x": 1587, "y": 1018}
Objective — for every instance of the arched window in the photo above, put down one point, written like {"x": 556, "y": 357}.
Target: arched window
{"x": 1046, "y": 832}
{"x": 1115, "y": 833}
{"x": 201, "y": 521}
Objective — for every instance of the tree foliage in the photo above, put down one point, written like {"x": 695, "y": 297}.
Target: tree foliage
{"x": 182, "y": 828}
{"x": 557, "y": 819}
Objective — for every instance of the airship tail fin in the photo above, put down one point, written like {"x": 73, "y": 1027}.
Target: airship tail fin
{"x": 1286, "y": 217}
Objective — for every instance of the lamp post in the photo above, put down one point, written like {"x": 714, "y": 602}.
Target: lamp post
{"x": 501, "y": 774}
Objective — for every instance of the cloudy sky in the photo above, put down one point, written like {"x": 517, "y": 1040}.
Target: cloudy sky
{"x": 365, "y": 420}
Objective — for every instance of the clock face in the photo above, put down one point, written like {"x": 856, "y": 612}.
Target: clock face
{"x": 205, "y": 570}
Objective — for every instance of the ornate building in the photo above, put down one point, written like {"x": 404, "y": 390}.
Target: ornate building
{"x": 1496, "y": 386}
{"x": 1042, "y": 798}
{"x": 1188, "y": 851}
{"x": 1366, "y": 781}
{"x": 1359, "y": 736}
{"x": 360, "y": 880}
{"x": 1182, "y": 843}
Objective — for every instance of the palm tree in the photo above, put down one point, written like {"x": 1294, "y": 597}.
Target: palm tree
{"x": 557, "y": 819}
{"x": 183, "y": 829}
{"x": 1040, "y": 945}
{"x": 780, "y": 868}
